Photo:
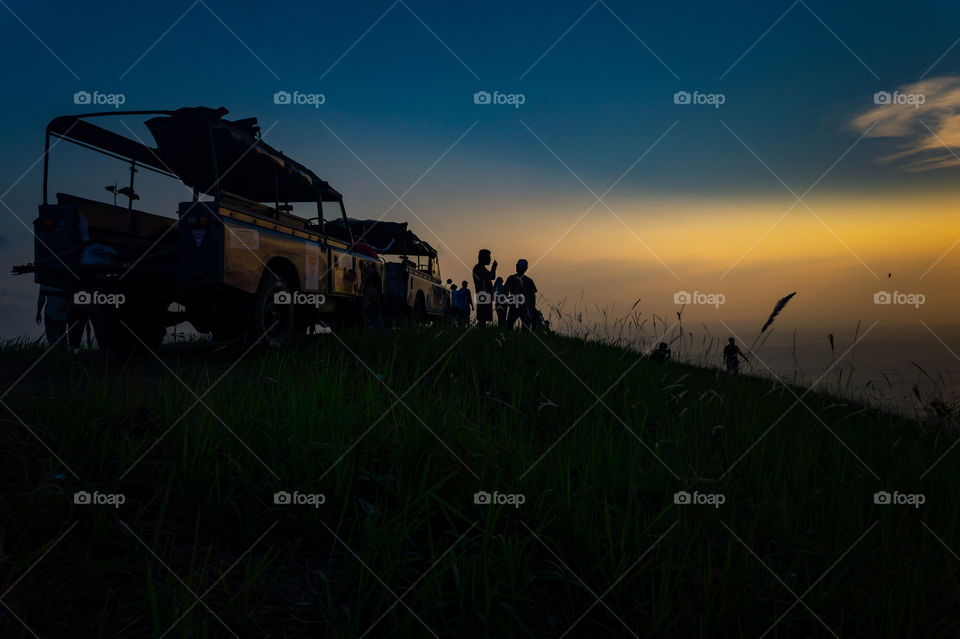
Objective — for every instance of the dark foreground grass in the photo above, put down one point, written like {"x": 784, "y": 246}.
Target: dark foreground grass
{"x": 398, "y": 432}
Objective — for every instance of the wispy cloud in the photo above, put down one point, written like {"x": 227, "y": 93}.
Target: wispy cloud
{"x": 924, "y": 116}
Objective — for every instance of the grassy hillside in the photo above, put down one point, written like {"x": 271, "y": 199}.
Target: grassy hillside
{"x": 398, "y": 432}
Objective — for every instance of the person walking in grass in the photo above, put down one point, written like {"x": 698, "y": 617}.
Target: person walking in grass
{"x": 732, "y": 355}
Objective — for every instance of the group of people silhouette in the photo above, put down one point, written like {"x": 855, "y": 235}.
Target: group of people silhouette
{"x": 515, "y": 300}
{"x": 512, "y": 300}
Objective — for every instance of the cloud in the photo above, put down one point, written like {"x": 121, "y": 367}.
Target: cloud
{"x": 925, "y": 117}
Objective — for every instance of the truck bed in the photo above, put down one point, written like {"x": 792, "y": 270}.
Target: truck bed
{"x": 128, "y": 231}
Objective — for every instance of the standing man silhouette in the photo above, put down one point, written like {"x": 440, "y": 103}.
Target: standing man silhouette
{"x": 483, "y": 284}
{"x": 466, "y": 301}
{"x": 523, "y": 298}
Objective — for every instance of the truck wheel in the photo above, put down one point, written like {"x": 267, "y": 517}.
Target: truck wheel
{"x": 419, "y": 315}
{"x": 371, "y": 316}
{"x": 134, "y": 332}
{"x": 444, "y": 314}
{"x": 272, "y": 317}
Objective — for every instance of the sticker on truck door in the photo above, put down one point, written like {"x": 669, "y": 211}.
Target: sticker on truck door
{"x": 312, "y": 267}
{"x": 244, "y": 238}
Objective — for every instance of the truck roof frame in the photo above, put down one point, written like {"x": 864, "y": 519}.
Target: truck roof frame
{"x": 255, "y": 170}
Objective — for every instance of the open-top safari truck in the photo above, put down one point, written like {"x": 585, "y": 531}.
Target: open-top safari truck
{"x": 413, "y": 288}
{"x": 235, "y": 259}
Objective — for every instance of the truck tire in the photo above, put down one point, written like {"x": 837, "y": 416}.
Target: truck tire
{"x": 419, "y": 315}
{"x": 371, "y": 314}
{"x": 271, "y": 320}
{"x": 444, "y": 316}
{"x": 134, "y": 331}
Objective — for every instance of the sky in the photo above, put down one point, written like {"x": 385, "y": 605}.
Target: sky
{"x": 787, "y": 169}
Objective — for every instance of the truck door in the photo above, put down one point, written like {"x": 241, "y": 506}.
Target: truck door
{"x": 344, "y": 272}
{"x": 315, "y": 268}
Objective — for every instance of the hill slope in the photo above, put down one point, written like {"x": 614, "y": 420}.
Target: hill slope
{"x": 586, "y": 447}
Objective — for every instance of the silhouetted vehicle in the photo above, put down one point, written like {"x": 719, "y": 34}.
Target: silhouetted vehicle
{"x": 414, "y": 290}
{"x": 236, "y": 259}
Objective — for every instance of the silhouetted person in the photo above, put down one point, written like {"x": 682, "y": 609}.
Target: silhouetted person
{"x": 59, "y": 315}
{"x": 454, "y": 302}
{"x": 499, "y": 301}
{"x": 483, "y": 282}
{"x": 523, "y": 303}
{"x": 731, "y": 357}
{"x": 661, "y": 353}
{"x": 466, "y": 302}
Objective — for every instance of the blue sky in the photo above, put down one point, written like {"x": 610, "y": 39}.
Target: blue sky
{"x": 598, "y": 98}
{"x": 402, "y": 94}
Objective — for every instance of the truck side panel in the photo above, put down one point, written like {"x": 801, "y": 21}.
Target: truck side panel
{"x": 247, "y": 249}
{"x": 345, "y": 272}
{"x": 434, "y": 294}
{"x": 324, "y": 266}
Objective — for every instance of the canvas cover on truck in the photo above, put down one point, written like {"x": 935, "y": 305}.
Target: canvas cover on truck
{"x": 388, "y": 238}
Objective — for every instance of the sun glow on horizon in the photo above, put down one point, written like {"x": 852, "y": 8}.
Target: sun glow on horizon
{"x": 753, "y": 250}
